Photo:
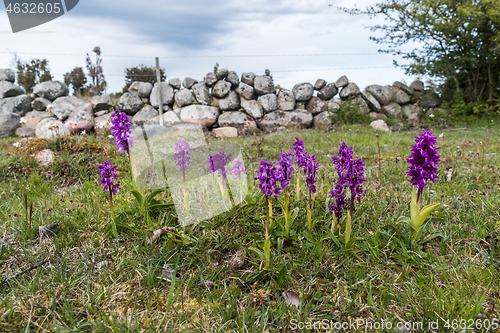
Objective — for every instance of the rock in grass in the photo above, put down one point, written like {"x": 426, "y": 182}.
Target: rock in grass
{"x": 291, "y": 298}
{"x": 45, "y": 157}
{"x": 48, "y": 231}
{"x": 238, "y": 259}
{"x": 380, "y": 125}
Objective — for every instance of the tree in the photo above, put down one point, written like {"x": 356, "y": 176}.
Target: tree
{"x": 98, "y": 83}
{"x": 141, "y": 73}
{"x": 77, "y": 79}
{"x": 33, "y": 72}
{"x": 458, "y": 41}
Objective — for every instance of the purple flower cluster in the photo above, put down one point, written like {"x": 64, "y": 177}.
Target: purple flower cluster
{"x": 423, "y": 160}
{"x": 350, "y": 172}
{"x": 238, "y": 169}
{"x": 310, "y": 166}
{"x": 108, "y": 173}
{"x": 298, "y": 151}
{"x": 121, "y": 131}
{"x": 182, "y": 155}
{"x": 218, "y": 162}
{"x": 284, "y": 170}
{"x": 268, "y": 179}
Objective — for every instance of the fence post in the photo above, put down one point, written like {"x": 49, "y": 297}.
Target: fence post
{"x": 158, "y": 80}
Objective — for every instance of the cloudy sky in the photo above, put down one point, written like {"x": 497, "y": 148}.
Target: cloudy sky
{"x": 297, "y": 40}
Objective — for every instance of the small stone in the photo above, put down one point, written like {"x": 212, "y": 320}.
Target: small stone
{"x": 225, "y": 132}
{"x": 40, "y": 104}
{"x": 320, "y": 83}
{"x": 24, "y": 132}
{"x": 303, "y": 91}
{"x": 222, "y": 73}
{"x": 238, "y": 259}
{"x": 264, "y": 85}
{"x": 328, "y": 91}
{"x": 189, "y": 82}
{"x": 233, "y": 78}
{"x": 248, "y": 78}
{"x": 342, "y": 82}
{"x": 48, "y": 231}
{"x": 176, "y": 83}
{"x": 210, "y": 79}
{"x": 380, "y": 125}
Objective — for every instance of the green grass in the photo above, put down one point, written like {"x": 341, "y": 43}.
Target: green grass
{"x": 99, "y": 283}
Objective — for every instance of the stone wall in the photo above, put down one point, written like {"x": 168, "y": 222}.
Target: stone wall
{"x": 224, "y": 102}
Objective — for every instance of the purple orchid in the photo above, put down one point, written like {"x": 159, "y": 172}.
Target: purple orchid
{"x": 121, "y": 131}
{"x": 423, "y": 160}
{"x": 284, "y": 170}
{"x": 267, "y": 177}
{"x": 310, "y": 168}
{"x": 182, "y": 155}
{"x": 298, "y": 151}
{"x": 218, "y": 162}
{"x": 108, "y": 173}
{"x": 238, "y": 169}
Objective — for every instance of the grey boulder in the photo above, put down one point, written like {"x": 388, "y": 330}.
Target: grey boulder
{"x": 221, "y": 89}
{"x": 167, "y": 95}
{"x": 8, "y": 123}
{"x": 244, "y": 90}
{"x": 82, "y": 119}
{"x": 64, "y": 106}
{"x": 380, "y": 125}
{"x": 320, "y": 83}
{"x": 315, "y": 105}
{"x": 20, "y": 105}
{"x": 146, "y": 113}
{"x": 9, "y": 89}
{"x": 303, "y": 91}
{"x": 222, "y": 73}
{"x": 130, "y": 104}
{"x": 334, "y": 105}
{"x": 383, "y": 94}
{"x": 286, "y": 100}
{"x": 176, "y": 83}
{"x": 269, "y": 102}
{"x": 237, "y": 119}
{"x": 201, "y": 93}
{"x": 360, "y": 104}
{"x": 417, "y": 85}
{"x": 401, "y": 97}
{"x": 101, "y": 103}
{"x": 392, "y": 110}
{"x": 342, "y": 82}
{"x": 328, "y": 91}
{"x": 252, "y": 108}
{"x": 299, "y": 118}
{"x": 210, "y": 79}
{"x": 233, "y": 78}
{"x": 200, "y": 114}
{"x": 50, "y": 128}
{"x": 169, "y": 119}
{"x": 429, "y": 99}
{"x": 184, "y": 97}
{"x": 51, "y": 90}
{"x": 189, "y": 82}
{"x": 323, "y": 120}
{"x": 351, "y": 90}
{"x": 372, "y": 101}
{"x": 248, "y": 78}
{"x": 40, "y": 104}
{"x": 230, "y": 102}
{"x": 403, "y": 87}
{"x": 143, "y": 89}
{"x": 263, "y": 85}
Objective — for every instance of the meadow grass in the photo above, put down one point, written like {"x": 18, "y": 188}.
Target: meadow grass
{"x": 100, "y": 283}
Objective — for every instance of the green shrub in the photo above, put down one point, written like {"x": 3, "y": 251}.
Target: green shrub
{"x": 349, "y": 113}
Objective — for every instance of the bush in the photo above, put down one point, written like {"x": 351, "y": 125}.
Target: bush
{"x": 349, "y": 113}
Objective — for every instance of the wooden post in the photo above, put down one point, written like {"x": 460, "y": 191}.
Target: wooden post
{"x": 158, "y": 80}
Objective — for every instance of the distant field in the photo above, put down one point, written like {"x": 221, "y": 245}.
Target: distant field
{"x": 96, "y": 282}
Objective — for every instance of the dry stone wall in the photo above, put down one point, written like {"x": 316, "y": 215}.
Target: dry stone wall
{"x": 223, "y": 100}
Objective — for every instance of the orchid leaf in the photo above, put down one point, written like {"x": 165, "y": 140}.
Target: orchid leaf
{"x": 404, "y": 219}
{"x": 259, "y": 252}
{"x": 348, "y": 228}
{"x": 267, "y": 249}
{"x": 422, "y": 215}
{"x": 139, "y": 197}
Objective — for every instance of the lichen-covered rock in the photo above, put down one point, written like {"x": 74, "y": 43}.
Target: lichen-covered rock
{"x": 403, "y": 87}
{"x": 51, "y": 90}
{"x": 392, "y": 110}
{"x": 383, "y": 94}
{"x": 169, "y": 119}
{"x": 7, "y": 75}
{"x": 328, "y": 91}
{"x": 175, "y": 83}
{"x": 299, "y": 118}
{"x": 286, "y": 100}
{"x": 50, "y": 128}
{"x": 189, "y": 82}
{"x": 146, "y": 113}
{"x": 269, "y": 102}
{"x": 102, "y": 103}
{"x": 342, "y": 82}
{"x": 167, "y": 95}
{"x": 200, "y": 114}
{"x": 233, "y": 78}
{"x": 361, "y": 104}
{"x": 323, "y": 120}
{"x": 221, "y": 89}
{"x": 8, "y": 123}
{"x": 246, "y": 91}
{"x": 334, "y": 105}
{"x": 9, "y": 89}
{"x": 24, "y": 132}
{"x": 202, "y": 94}
{"x": 417, "y": 85}
{"x": 252, "y": 108}
{"x": 372, "y": 101}
{"x": 409, "y": 109}
{"x": 351, "y": 90}
{"x": 222, "y": 73}
{"x": 20, "y": 104}
{"x": 315, "y": 105}
{"x": 238, "y": 120}
{"x": 320, "y": 83}
{"x": 380, "y": 125}
{"x": 248, "y": 78}
{"x": 184, "y": 97}
{"x": 230, "y": 103}
{"x": 130, "y": 103}
{"x": 303, "y": 91}
{"x": 81, "y": 119}
{"x": 429, "y": 99}
{"x": 102, "y": 122}
{"x": 64, "y": 106}
{"x": 210, "y": 79}
{"x": 376, "y": 115}
{"x": 143, "y": 89}
{"x": 401, "y": 97}
{"x": 263, "y": 85}
{"x": 40, "y": 104}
